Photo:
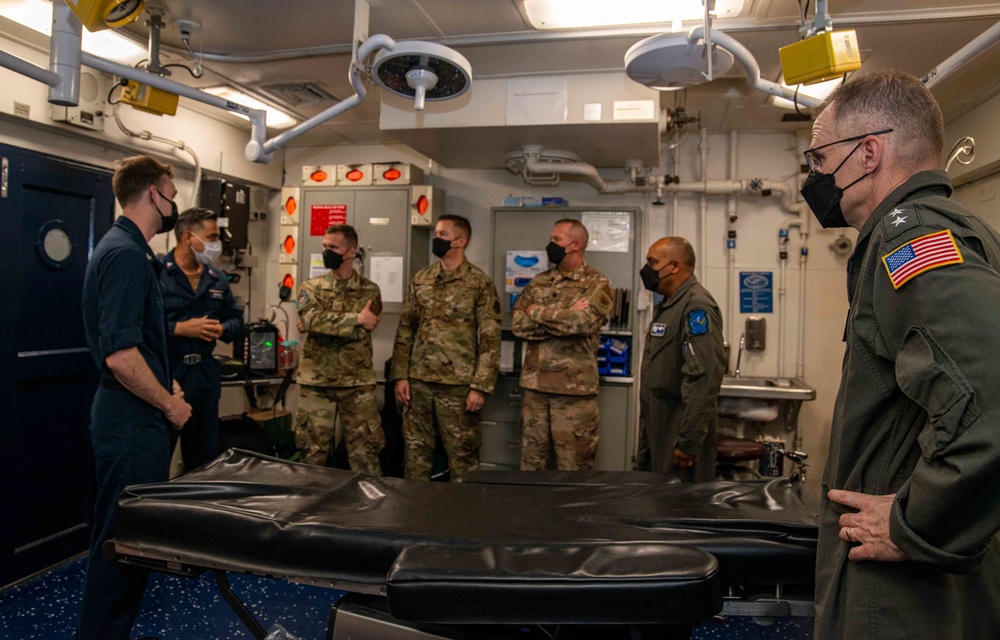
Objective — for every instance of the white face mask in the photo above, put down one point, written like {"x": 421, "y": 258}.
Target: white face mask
{"x": 211, "y": 253}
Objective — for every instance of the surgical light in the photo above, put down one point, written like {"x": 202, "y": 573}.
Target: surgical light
{"x": 569, "y": 14}
{"x": 276, "y": 118}
{"x": 669, "y": 61}
{"x": 422, "y": 71}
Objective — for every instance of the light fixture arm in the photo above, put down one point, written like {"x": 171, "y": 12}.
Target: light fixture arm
{"x": 749, "y": 63}
{"x": 261, "y": 152}
{"x": 708, "y": 40}
{"x": 258, "y": 130}
{"x": 821, "y": 21}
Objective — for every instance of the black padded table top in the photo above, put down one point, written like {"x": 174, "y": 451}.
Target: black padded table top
{"x": 262, "y": 515}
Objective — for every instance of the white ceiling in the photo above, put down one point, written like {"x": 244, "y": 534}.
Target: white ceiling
{"x": 913, "y": 36}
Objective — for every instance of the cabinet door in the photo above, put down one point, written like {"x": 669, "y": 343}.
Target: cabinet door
{"x": 382, "y": 220}
{"x": 320, "y": 209}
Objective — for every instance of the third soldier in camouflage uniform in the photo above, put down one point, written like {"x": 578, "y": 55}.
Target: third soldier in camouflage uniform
{"x": 446, "y": 355}
{"x": 339, "y": 310}
{"x": 560, "y": 313}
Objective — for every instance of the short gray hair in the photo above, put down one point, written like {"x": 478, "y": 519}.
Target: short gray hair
{"x": 890, "y": 99}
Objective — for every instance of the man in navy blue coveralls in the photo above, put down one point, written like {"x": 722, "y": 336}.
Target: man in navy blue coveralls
{"x": 136, "y": 403}
{"x": 200, "y": 309}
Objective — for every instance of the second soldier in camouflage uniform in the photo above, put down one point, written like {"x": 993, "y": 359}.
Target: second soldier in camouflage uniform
{"x": 339, "y": 310}
{"x": 560, "y": 314}
{"x": 446, "y": 355}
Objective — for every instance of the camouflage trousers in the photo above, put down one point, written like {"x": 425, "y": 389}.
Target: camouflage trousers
{"x": 566, "y": 424}
{"x": 316, "y": 423}
{"x": 459, "y": 429}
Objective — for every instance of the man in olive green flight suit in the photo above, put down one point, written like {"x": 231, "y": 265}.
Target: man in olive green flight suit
{"x": 908, "y": 544}
{"x": 682, "y": 368}
{"x": 447, "y": 354}
{"x": 339, "y": 310}
{"x": 560, "y": 314}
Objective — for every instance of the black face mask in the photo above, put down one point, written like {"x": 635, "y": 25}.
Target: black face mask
{"x": 822, "y": 194}
{"x": 555, "y": 253}
{"x": 167, "y": 223}
{"x": 332, "y": 259}
{"x": 650, "y": 278}
{"x": 440, "y": 246}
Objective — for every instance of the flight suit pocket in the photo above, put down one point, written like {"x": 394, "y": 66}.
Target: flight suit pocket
{"x": 928, "y": 375}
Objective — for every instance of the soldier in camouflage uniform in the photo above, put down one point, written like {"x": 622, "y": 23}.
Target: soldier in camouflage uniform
{"x": 446, "y": 355}
{"x": 560, "y": 313}
{"x": 339, "y": 311}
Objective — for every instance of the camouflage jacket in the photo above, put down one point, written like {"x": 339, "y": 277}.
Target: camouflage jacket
{"x": 337, "y": 352}
{"x": 449, "y": 328}
{"x": 561, "y": 352}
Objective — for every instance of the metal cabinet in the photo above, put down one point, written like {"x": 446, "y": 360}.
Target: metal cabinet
{"x": 500, "y": 427}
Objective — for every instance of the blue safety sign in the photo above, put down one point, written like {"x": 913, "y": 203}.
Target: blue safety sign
{"x": 756, "y": 292}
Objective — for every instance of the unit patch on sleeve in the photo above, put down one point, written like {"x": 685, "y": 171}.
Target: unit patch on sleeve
{"x": 302, "y": 300}
{"x": 697, "y": 322}
{"x": 919, "y": 255}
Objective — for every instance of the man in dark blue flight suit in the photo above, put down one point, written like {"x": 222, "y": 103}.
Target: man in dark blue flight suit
{"x": 137, "y": 402}
{"x": 200, "y": 309}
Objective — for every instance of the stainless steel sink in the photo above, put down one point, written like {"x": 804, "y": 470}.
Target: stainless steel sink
{"x": 766, "y": 389}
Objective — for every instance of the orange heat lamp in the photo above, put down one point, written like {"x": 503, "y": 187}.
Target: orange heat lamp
{"x": 289, "y": 244}
{"x": 291, "y": 206}
{"x": 355, "y": 174}
{"x": 392, "y": 174}
{"x": 422, "y": 205}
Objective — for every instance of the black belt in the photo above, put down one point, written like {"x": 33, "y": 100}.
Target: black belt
{"x": 111, "y": 382}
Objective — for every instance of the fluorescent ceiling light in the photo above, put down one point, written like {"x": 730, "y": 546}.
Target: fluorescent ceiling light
{"x": 276, "y": 119}
{"x": 107, "y": 44}
{"x": 569, "y": 14}
{"x": 820, "y": 91}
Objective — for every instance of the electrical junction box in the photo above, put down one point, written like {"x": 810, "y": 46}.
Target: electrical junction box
{"x": 354, "y": 174}
{"x": 825, "y": 56}
{"x": 231, "y": 200}
{"x": 396, "y": 173}
{"x": 149, "y": 99}
{"x": 89, "y": 113}
{"x": 320, "y": 174}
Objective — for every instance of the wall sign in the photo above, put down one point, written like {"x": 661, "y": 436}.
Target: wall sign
{"x": 324, "y": 216}
{"x": 756, "y": 292}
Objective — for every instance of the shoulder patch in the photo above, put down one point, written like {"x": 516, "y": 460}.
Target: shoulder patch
{"x": 302, "y": 299}
{"x": 698, "y": 322}
{"x": 901, "y": 218}
{"x": 920, "y": 255}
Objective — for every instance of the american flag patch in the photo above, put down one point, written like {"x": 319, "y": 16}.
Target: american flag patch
{"x": 922, "y": 254}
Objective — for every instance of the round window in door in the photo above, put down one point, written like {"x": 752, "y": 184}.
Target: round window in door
{"x": 55, "y": 247}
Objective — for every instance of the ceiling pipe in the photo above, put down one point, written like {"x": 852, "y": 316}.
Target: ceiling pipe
{"x": 535, "y": 164}
{"x": 961, "y": 57}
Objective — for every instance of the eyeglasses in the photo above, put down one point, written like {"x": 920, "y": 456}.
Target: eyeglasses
{"x": 815, "y": 160}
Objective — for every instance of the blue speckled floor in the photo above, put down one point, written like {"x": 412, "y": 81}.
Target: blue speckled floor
{"x": 174, "y": 608}
{"x": 46, "y": 608}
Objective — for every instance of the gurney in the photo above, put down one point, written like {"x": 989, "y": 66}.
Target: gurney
{"x": 499, "y": 548}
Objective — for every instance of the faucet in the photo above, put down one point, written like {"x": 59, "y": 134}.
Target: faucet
{"x": 739, "y": 354}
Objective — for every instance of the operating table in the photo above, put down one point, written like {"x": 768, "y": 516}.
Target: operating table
{"x": 499, "y": 548}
